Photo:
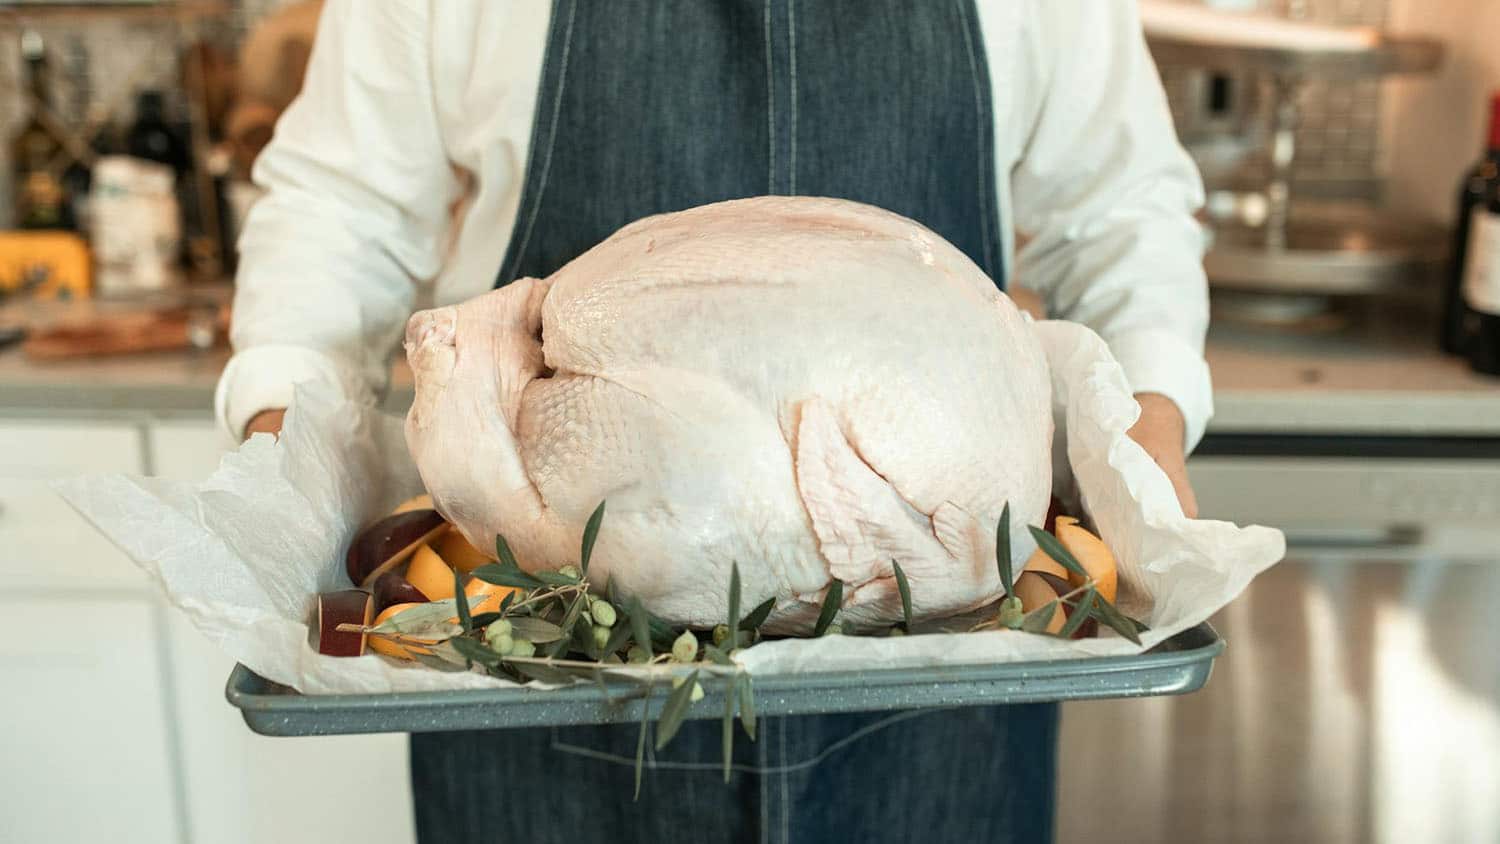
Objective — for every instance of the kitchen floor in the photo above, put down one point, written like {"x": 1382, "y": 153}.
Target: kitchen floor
{"x": 1357, "y": 701}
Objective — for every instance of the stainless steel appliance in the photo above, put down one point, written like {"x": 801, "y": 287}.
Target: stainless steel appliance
{"x": 1359, "y": 696}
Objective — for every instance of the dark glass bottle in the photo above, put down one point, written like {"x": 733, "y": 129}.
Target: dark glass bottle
{"x": 1479, "y": 184}
{"x": 1482, "y": 287}
{"x": 152, "y": 138}
{"x": 35, "y": 152}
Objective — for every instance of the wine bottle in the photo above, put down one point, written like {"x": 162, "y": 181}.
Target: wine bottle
{"x": 36, "y": 154}
{"x": 1481, "y": 286}
{"x": 1482, "y": 180}
{"x": 151, "y": 137}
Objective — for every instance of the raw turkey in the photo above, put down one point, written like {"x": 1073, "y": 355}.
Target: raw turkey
{"x": 810, "y": 388}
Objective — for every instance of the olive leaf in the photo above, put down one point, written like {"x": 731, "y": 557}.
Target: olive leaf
{"x": 640, "y": 625}
{"x": 506, "y": 573}
{"x": 734, "y": 596}
{"x": 726, "y": 729}
{"x": 1110, "y": 615}
{"x": 503, "y": 553}
{"x": 590, "y": 534}
{"x": 465, "y": 620}
{"x": 1054, "y": 549}
{"x": 536, "y": 630}
{"x": 582, "y": 641}
{"x": 1079, "y": 615}
{"x": 640, "y": 741}
{"x": 554, "y": 578}
{"x": 430, "y": 619}
{"x": 439, "y": 663}
{"x": 603, "y": 686}
{"x": 1002, "y": 550}
{"x": 476, "y": 651}
{"x": 747, "y": 705}
{"x": 618, "y": 636}
{"x": 485, "y": 619}
{"x": 567, "y": 625}
{"x": 831, "y": 604}
{"x": 758, "y": 616}
{"x": 1037, "y": 620}
{"x": 542, "y": 672}
{"x": 444, "y": 654}
{"x": 904, "y": 588}
{"x": 675, "y": 710}
{"x": 717, "y": 655}
{"x": 661, "y": 632}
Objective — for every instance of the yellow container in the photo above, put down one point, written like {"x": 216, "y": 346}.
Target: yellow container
{"x": 46, "y": 264}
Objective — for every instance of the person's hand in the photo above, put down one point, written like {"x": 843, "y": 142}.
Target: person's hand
{"x": 266, "y": 422}
{"x": 1160, "y": 432}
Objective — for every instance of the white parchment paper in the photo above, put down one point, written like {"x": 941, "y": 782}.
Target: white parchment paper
{"x": 244, "y": 552}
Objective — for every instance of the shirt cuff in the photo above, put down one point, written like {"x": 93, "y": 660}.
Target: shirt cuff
{"x": 1162, "y": 362}
{"x": 264, "y": 378}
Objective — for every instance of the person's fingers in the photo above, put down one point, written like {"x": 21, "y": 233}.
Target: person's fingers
{"x": 1184, "y": 488}
{"x": 266, "y": 422}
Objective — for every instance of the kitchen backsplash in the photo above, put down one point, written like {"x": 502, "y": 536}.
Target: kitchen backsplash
{"x": 1338, "y": 140}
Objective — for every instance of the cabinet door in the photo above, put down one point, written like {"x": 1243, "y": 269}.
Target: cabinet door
{"x": 244, "y": 788}
{"x": 43, "y": 542}
{"x": 85, "y": 754}
{"x": 186, "y": 449}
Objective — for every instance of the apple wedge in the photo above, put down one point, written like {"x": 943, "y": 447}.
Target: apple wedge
{"x": 349, "y": 606}
{"x": 391, "y": 588}
{"x": 389, "y": 542}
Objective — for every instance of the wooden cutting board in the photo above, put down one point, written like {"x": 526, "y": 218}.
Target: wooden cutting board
{"x": 169, "y": 329}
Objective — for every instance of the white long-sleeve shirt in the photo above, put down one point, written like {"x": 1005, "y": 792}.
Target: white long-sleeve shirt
{"x": 412, "y": 106}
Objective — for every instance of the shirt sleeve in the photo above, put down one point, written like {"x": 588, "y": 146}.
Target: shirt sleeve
{"x": 357, "y": 187}
{"x": 1104, "y": 198}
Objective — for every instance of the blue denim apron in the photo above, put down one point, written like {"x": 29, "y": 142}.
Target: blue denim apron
{"x": 652, "y": 107}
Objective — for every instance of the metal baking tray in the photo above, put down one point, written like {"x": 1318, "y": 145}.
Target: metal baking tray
{"x": 1177, "y": 666}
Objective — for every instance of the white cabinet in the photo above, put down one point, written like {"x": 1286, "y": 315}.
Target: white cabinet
{"x": 243, "y": 788}
{"x": 87, "y": 751}
{"x": 43, "y": 542}
{"x": 85, "y": 755}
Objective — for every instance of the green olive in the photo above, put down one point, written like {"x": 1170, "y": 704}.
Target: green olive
{"x": 685, "y": 649}
{"x": 604, "y": 613}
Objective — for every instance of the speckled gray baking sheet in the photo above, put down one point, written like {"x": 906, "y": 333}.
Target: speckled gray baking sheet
{"x": 1177, "y": 666}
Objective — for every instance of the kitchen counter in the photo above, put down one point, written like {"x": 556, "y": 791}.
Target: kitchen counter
{"x": 1372, "y": 379}
{"x": 1376, "y": 379}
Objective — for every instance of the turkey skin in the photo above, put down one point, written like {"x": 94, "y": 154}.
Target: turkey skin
{"x": 810, "y": 388}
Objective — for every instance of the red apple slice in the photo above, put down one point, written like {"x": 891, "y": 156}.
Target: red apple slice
{"x": 385, "y": 544}
{"x": 349, "y": 606}
{"x": 391, "y": 588}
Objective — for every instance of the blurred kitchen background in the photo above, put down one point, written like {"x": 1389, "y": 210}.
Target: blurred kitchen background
{"x": 1358, "y": 700}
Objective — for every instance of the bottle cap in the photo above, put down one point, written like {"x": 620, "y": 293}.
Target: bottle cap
{"x": 32, "y": 46}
